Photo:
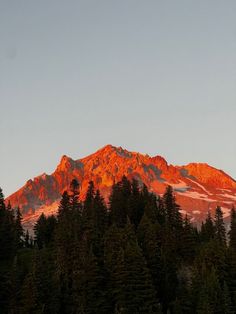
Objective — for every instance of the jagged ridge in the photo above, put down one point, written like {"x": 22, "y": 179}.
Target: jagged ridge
{"x": 199, "y": 187}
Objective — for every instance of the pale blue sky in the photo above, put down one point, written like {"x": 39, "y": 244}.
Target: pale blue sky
{"x": 157, "y": 77}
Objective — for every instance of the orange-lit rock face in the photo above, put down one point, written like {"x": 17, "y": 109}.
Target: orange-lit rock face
{"x": 198, "y": 187}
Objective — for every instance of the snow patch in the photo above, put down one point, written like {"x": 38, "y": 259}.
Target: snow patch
{"x": 233, "y": 197}
{"x": 183, "y": 212}
{"x": 200, "y": 196}
{"x": 181, "y": 186}
{"x": 201, "y": 186}
{"x": 226, "y": 211}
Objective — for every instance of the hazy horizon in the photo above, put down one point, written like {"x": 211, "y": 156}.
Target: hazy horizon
{"x": 154, "y": 77}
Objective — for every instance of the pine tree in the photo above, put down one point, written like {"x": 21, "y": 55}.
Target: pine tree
{"x": 131, "y": 283}
{"x": 74, "y": 197}
{"x": 45, "y": 280}
{"x": 231, "y": 271}
{"x": 95, "y": 287}
{"x": 27, "y": 239}
{"x": 40, "y": 231}
{"x": 173, "y": 216}
{"x": 44, "y": 230}
{"x": 99, "y": 224}
{"x": 135, "y": 204}
{"x": 88, "y": 203}
{"x": 188, "y": 241}
{"x": 88, "y": 209}
{"x": 19, "y": 228}
{"x": 29, "y": 296}
{"x": 232, "y": 232}
{"x": 153, "y": 206}
{"x": 7, "y": 231}
{"x": 100, "y": 213}
{"x": 120, "y": 194}
{"x": 208, "y": 229}
{"x": 140, "y": 295}
{"x": 149, "y": 241}
{"x": 64, "y": 206}
{"x": 219, "y": 226}
{"x": 2, "y": 204}
{"x": 67, "y": 236}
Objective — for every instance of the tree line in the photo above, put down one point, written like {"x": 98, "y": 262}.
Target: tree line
{"x": 135, "y": 255}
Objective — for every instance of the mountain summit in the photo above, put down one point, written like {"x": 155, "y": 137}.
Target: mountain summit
{"x": 198, "y": 187}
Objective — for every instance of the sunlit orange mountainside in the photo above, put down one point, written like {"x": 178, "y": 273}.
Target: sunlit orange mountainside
{"x": 198, "y": 187}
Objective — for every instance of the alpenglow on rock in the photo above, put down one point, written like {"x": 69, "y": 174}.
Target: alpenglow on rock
{"x": 198, "y": 187}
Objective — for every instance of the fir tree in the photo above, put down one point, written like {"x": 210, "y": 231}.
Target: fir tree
{"x": 19, "y": 228}
{"x": 27, "y": 239}
{"x": 149, "y": 241}
{"x": 173, "y": 216}
{"x": 120, "y": 194}
{"x": 7, "y": 231}
{"x": 140, "y": 295}
{"x": 219, "y": 226}
{"x": 188, "y": 241}
{"x": 40, "y": 231}
{"x": 208, "y": 229}
{"x": 135, "y": 205}
{"x": 232, "y": 232}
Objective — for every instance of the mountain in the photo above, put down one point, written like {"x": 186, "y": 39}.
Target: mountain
{"x": 198, "y": 187}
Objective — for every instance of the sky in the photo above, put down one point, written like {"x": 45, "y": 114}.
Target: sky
{"x": 158, "y": 77}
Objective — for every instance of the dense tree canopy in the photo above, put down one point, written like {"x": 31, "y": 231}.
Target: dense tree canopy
{"x": 134, "y": 254}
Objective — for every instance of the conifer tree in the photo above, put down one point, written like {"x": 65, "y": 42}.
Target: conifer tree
{"x": 144, "y": 258}
{"x": 232, "y": 232}
{"x": 64, "y": 206}
{"x": 208, "y": 229}
{"x": 140, "y": 295}
{"x": 173, "y": 216}
{"x": 135, "y": 204}
{"x": 29, "y": 295}
{"x": 2, "y": 204}
{"x": 27, "y": 239}
{"x": 75, "y": 205}
{"x": 188, "y": 241}
{"x": 100, "y": 213}
{"x": 88, "y": 209}
{"x": 88, "y": 203}
{"x": 95, "y": 287}
{"x": 40, "y": 230}
{"x": 67, "y": 236}
{"x": 219, "y": 226}
{"x": 7, "y": 231}
{"x": 19, "y": 228}
{"x": 44, "y": 230}
{"x": 149, "y": 241}
{"x": 231, "y": 261}
{"x": 120, "y": 194}
{"x": 99, "y": 224}
{"x": 231, "y": 278}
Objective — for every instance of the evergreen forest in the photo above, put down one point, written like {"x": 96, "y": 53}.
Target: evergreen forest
{"x": 133, "y": 254}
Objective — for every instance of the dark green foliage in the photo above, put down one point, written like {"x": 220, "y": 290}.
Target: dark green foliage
{"x": 19, "y": 229}
{"x": 120, "y": 194}
{"x": 7, "y": 230}
{"x": 173, "y": 216}
{"x": 44, "y": 230}
{"x": 149, "y": 241}
{"x": 219, "y": 226}
{"x": 232, "y": 232}
{"x": 137, "y": 256}
{"x": 135, "y": 206}
{"x": 27, "y": 239}
{"x": 208, "y": 229}
{"x": 188, "y": 242}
